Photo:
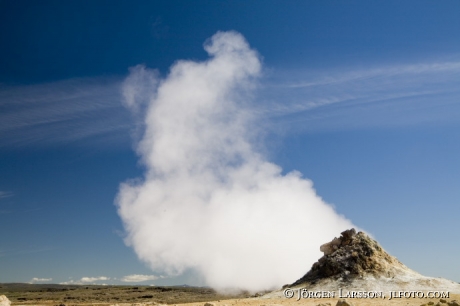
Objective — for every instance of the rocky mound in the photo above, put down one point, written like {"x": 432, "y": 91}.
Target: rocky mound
{"x": 354, "y": 261}
{"x": 353, "y": 255}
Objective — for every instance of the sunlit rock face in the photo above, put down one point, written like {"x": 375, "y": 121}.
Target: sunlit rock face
{"x": 353, "y": 255}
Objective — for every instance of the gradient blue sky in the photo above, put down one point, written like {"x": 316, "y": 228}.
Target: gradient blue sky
{"x": 362, "y": 97}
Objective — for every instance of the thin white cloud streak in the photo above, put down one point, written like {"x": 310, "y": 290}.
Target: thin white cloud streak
{"x": 139, "y": 278}
{"x": 89, "y": 110}
{"x": 16, "y": 252}
{"x": 62, "y": 112}
{"x": 86, "y": 280}
{"x": 93, "y": 279}
{"x": 209, "y": 200}
{"x": 40, "y": 280}
{"x": 448, "y": 69}
{"x": 71, "y": 282}
{"x": 137, "y": 90}
{"x": 386, "y": 97}
{"x": 5, "y": 194}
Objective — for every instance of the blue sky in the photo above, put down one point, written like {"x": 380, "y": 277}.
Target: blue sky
{"x": 361, "y": 97}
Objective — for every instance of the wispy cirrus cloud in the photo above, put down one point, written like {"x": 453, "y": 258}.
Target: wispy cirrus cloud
{"x": 90, "y": 110}
{"x": 424, "y": 93}
{"x": 29, "y": 250}
{"x": 5, "y": 194}
{"x": 63, "y": 112}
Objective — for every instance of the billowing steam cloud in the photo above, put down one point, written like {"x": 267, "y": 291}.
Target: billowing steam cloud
{"x": 209, "y": 201}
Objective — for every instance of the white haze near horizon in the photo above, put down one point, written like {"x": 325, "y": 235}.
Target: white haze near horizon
{"x": 209, "y": 200}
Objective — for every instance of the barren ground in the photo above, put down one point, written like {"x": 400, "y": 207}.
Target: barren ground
{"x": 26, "y": 294}
{"x": 49, "y": 294}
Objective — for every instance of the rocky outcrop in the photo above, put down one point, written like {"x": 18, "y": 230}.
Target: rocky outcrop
{"x": 355, "y": 261}
{"x": 352, "y": 255}
{"x": 336, "y": 243}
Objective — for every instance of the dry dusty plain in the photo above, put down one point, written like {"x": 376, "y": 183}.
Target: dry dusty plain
{"x": 50, "y": 294}
{"x": 60, "y": 295}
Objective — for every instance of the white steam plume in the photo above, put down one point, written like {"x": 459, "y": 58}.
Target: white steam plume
{"x": 209, "y": 201}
